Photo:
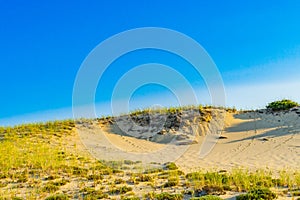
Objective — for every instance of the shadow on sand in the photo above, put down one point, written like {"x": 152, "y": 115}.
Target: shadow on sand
{"x": 278, "y": 122}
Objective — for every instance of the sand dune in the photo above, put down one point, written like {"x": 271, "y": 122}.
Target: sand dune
{"x": 254, "y": 140}
{"x": 251, "y": 140}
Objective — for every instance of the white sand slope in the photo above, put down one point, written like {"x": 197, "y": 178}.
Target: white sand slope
{"x": 254, "y": 140}
{"x": 251, "y": 140}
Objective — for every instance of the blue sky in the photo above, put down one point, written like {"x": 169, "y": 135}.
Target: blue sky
{"x": 255, "y": 45}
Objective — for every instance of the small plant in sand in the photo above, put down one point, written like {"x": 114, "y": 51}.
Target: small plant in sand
{"x": 284, "y": 104}
{"x": 164, "y": 196}
{"x": 120, "y": 190}
{"x": 58, "y": 197}
{"x": 91, "y": 194}
{"x": 50, "y": 188}
{"x": 140, "y": 177}
{"x": 258, "y": 193}
{"x": 171, "y": 166}
{"x": 207, "y": 197}
{"x": 130, "y": 198}
{"x": 172, "y": 181}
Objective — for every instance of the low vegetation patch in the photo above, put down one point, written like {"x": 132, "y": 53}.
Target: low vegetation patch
{"x": 130, "y": 198}
{"x": 258, "y": 193}
{"x": 50, "y": 188}
{"x": 120, "y": 190}
{"x": 284, "y": 104}
{"x": 58, "y": 197}
{"x": 164, "y": 196}
{"x": 91, "y": 193}
{"x": 171, "y": 166}
{"x": 207, "y": 197}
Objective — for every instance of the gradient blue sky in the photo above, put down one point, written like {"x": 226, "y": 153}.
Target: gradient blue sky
{"x": 255, "y": 45}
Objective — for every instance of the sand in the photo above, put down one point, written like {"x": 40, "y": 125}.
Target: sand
{"x": 252, "y": 140}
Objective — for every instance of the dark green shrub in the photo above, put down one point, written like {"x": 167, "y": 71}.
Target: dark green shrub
{"x": 258, "y": 194}
{"x": 284, "y": 104}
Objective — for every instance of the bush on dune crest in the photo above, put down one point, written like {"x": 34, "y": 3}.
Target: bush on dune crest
{"x": 284, "y": 104}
